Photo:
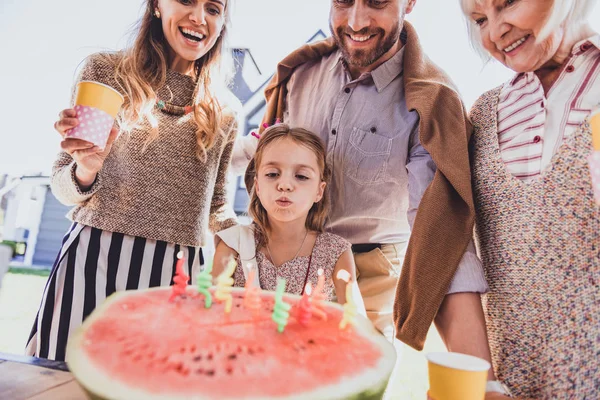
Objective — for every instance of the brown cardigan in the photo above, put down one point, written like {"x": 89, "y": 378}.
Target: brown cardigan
{"x": 444, "y": 222}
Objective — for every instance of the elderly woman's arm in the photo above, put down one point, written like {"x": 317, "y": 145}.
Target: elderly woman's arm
{"x": 461, "y": 325}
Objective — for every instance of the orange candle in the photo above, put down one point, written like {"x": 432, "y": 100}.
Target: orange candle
{"x": 252, "y": 299}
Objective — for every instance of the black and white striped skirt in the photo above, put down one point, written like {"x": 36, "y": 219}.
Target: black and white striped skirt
{"x": 91, "y": 265}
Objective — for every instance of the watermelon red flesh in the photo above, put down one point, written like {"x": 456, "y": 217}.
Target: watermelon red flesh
{"x": 181, "y": 348}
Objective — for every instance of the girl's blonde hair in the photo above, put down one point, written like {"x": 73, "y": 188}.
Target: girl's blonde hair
{"x": 143, "y": 70}
{"x": 317, "y": 215}
{"x": 569, "y": 12}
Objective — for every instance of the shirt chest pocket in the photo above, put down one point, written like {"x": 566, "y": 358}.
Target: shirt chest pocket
{"x": 366, "y": 158}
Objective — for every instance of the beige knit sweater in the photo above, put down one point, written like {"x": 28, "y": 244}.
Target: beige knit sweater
{"x": 540, "y": 247}
{"x": 163, "y": 192}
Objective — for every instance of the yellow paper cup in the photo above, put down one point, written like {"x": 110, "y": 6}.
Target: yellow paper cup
{"x": 97, "y": 106}
{"x": 455, "y": 376}
{"x": 99, "y": 96}
{"x": 595, "y": 125}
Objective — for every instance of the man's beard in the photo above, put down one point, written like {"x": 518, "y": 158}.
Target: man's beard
{"x": 364, "y": 58}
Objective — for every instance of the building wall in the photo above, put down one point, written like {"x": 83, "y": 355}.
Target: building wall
{"x": 53, "y": 225}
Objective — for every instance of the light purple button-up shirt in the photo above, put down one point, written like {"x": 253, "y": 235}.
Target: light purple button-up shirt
{"x": 380, "y": 170}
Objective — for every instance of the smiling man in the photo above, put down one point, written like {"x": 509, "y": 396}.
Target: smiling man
{"x": 397, "y": 143}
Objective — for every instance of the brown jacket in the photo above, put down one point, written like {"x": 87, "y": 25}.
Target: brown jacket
{"x": 444, "y": 222}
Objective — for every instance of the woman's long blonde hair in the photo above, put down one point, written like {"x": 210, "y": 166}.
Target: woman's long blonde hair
{"x": 143, "y": 70}
{"x": 318, "y": 213}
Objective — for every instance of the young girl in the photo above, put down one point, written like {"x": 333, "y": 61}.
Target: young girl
{"x": 155, "y": 189}
{"x": 288, "y": 204}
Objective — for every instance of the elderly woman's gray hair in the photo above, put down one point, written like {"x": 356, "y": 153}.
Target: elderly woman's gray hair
{"x": 571, "y": 12}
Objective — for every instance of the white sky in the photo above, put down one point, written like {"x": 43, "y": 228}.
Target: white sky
{"x": 42, "y": 42}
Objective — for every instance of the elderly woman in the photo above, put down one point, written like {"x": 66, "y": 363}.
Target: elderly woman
{"x": 537, "y": 225}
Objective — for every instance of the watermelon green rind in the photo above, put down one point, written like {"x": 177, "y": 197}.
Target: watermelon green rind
{"x": 372, "y": 394}
{"x": 370, "y": 384}
{"x": 367, "y": 395}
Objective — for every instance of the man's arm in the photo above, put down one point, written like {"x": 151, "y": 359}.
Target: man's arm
{"x": 460, "y": 320}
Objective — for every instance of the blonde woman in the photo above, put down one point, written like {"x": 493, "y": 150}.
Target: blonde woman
{"x": 156, "y": 187}
{"x": 538, "y": 227}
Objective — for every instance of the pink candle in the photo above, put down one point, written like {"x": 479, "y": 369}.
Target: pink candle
{"x": 180, "y": 280}
{"x": 305, "y": 310}
{"x": 179, "y": 266}
{"x": 319, "y": 295}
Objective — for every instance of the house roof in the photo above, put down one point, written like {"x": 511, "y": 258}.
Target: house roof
{"x": 249, "y": 81}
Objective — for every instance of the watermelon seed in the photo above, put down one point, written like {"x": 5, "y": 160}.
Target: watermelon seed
{"x": 310, "y": 341}
{"x": 229, "y": 370}
{"x": 198, "y": 358}
{"x": 232, "y": 356}
{"x": 210, "y": 357}
{"x": 210, "y": 372}
{"x": 238, "y": 305}
{"x": 251, "y": 351}
{"x": 193, "y": 349}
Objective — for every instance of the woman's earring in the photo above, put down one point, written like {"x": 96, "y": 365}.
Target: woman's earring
{"x": 157, "y": 13}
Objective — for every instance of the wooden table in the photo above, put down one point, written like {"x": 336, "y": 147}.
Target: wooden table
{"x": 36, "y": 379}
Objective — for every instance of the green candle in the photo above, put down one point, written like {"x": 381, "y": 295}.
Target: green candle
{"x": 281, "y": 311}
{"x": 204, "y": 282}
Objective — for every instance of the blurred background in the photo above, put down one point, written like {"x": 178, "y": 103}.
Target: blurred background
{"x": 42, "y": 44}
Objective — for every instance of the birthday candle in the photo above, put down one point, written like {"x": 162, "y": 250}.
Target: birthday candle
{"x": 180, "y": 279}
{"x": 204, "y": 282}
{"x": 350, "y": 309}
{"x": 224, "y": 284}
{"x": 319, "y": 296}
{"x": 281, "y": 311}
{"x": 305, "y": 310}
{"x": 252, "y": 299}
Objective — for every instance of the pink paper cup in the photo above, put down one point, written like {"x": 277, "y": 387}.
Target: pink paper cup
{"x": 97, "y": 106}
{"x": 94, "y": 126}
{"x": 594, "y": 162}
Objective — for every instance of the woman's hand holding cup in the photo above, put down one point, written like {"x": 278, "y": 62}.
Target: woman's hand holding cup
{"x": 88, "y": 157}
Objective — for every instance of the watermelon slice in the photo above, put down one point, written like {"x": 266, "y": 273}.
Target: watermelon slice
{"x": 138, "y": 345}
